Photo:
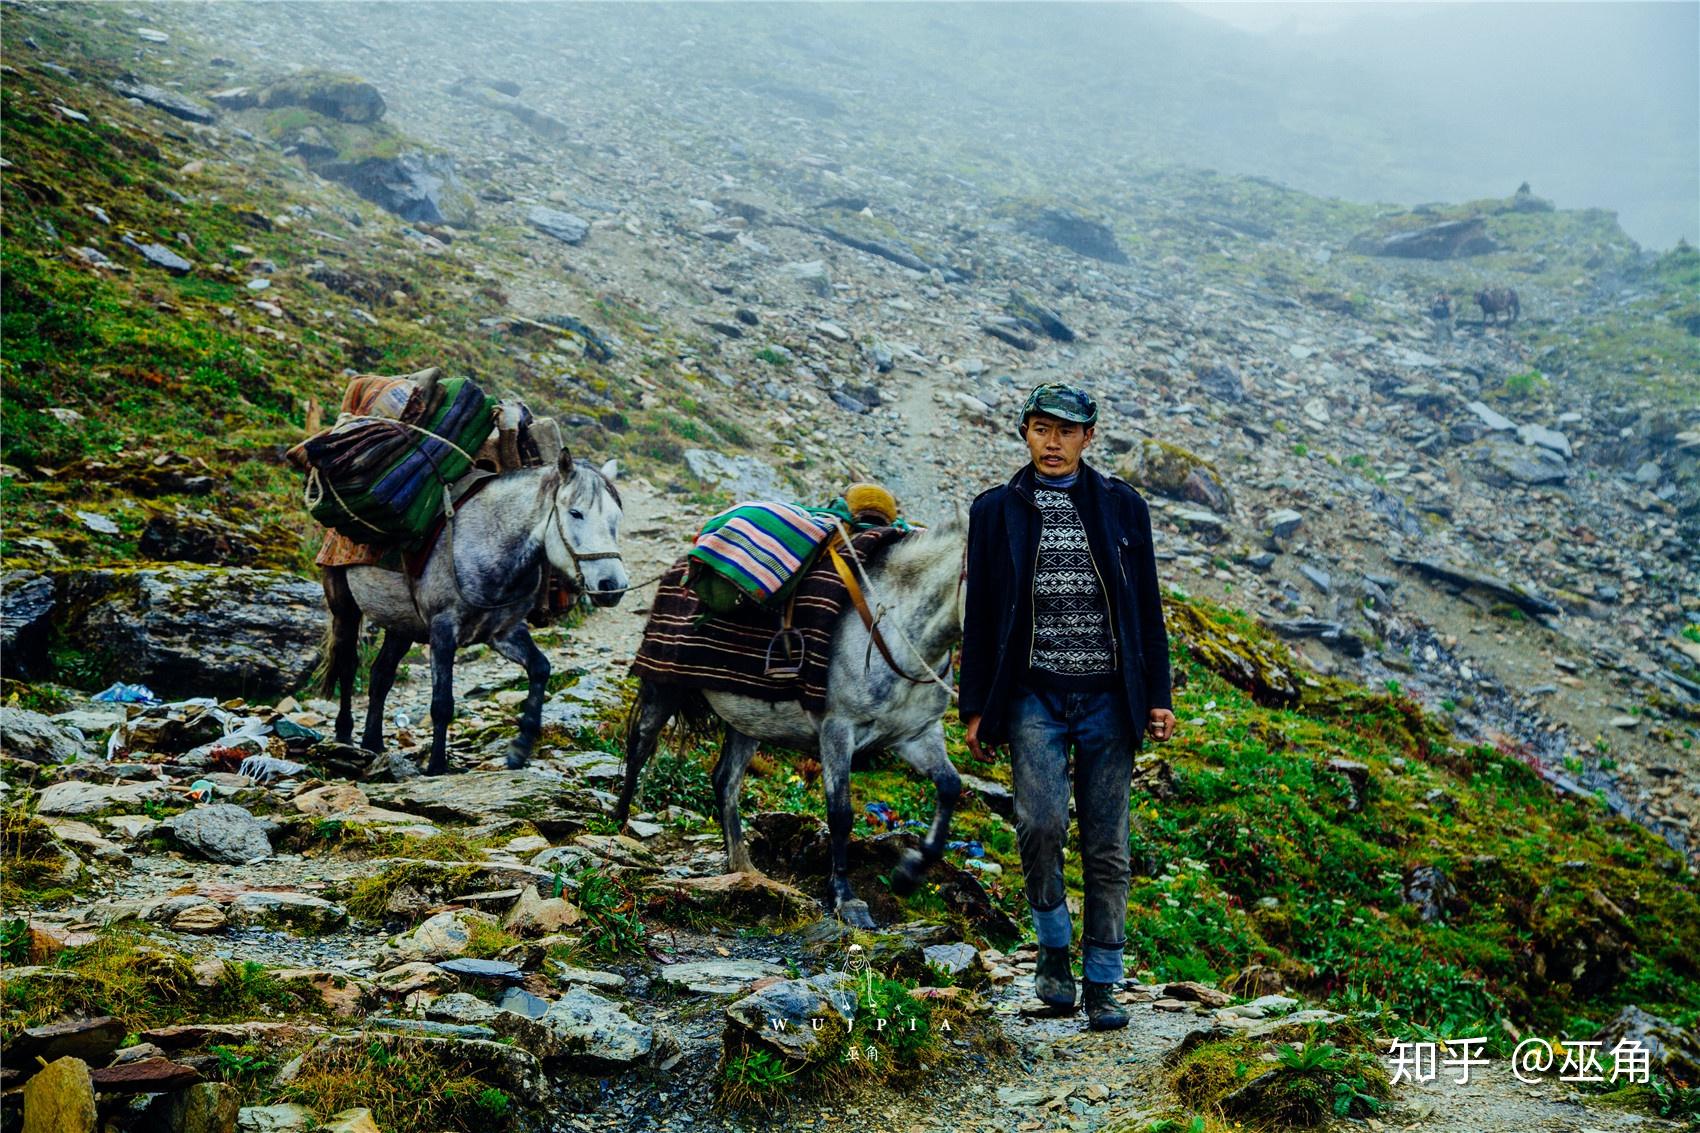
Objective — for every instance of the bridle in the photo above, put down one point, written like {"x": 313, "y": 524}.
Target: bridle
{"x": 578, "y": 557}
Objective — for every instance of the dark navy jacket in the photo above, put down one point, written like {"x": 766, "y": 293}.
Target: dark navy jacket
{"x": 1003, "y": 547}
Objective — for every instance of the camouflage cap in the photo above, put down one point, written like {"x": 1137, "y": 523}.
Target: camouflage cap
{"x": 1062, "y": 401}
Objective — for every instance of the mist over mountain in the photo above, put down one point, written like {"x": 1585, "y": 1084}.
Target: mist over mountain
{"x": 1595, "y": 105}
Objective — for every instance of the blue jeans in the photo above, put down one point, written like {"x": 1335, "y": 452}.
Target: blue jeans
{"x": 1045, "y": 723}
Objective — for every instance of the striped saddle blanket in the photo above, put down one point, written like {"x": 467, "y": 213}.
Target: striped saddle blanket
{"x": 755, "y": 551}
{"x": 751, "y": 651}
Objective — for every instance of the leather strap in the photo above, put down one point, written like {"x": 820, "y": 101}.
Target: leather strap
{"x": 861, "y": 603}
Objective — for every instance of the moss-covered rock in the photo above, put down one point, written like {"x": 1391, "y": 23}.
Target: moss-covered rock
{"x": 193, "y": 631}
{"x": 344, "y": 98}
{"x": 1172, "y": 471}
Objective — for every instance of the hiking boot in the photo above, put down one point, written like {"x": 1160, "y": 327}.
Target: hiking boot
{"x": 1053, "y": 980}
{"x": 1103, "y": 1013}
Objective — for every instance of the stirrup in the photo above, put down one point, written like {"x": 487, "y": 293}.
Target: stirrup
{"x": 794, "y": 645}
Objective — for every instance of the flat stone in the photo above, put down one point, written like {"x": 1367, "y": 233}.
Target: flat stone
{"x": 1545, "y": 438}
{"x": 568, "y": 974}
{"x": 286, "y": 1118}
{"x": 149, "y": 1076}
{"x": 301, "y": 912}
{"x": 549, "y": 803}
{"x": 563, "y": 226}
{"x": 200, "y": 918}
{"x": 472, "y": 968}
{"x": 1491, "y": 419}
{"x": 953, "y": 958}
{"x": 717, "y": 977}
{"x": 73, "y": 798}
{"x": 833, "y": 331}
{"x": 92, "y": 1040}
{"x": 1195, "y": 992}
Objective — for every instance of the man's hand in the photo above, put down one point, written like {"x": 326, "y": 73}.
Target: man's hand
{"x": 973, "y": 740}
{"x": 1160, "y": 726}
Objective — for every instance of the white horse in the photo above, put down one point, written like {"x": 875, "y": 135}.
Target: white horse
{"x": 870, "y": 706}
{"x": 482, "y": 579}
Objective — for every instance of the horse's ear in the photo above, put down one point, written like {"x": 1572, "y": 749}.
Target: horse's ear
{"x": 611, "y": 469}
{"x": 565, "y": 462}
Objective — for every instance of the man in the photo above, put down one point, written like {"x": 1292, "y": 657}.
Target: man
{"x": 1064, "y": 647}
{"x": 1440, "y": 310}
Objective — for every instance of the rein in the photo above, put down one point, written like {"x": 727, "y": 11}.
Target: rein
{"x": 871, "y": 621}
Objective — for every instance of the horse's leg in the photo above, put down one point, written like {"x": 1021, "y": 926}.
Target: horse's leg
{"x": 516, "y": 645}
{"x": 735, "y": 756}
{"x": 378, "y": 685}
{"x": 341, "y": 648}
{"x": 837, "y": 748}
{"x": 654, "y": 706}
{"x": 926, "y": 754}
{"x": 444, "y": 636}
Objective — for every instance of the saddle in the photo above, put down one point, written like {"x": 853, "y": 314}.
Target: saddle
{"x": 770, "y": 652}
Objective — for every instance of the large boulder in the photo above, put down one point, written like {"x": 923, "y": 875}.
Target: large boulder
{"x": 782, "y": 1015}
{"x": 1448, "y": 240}
{"x": 26, "y": 602}
{"x": 414, "y": 185}
{"x": 742, "y": 476}
{"x": 595, "y": 1029}
{"x": 196, "y": 631}
{"x": 345, "y": 98}
{"x": 30, "y": 735}
{"x": 1670, "y": 1048}
{"x": 223, "y": 832}
{"x": 1172, "y": 471}
{"x": 60, "y": 1099}
{"x": 1070, "y": 230}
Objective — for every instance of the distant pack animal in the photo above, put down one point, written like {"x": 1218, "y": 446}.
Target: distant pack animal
{"x": 870, "y": 706}
{"x": 1440, "y": 307}
{"x": 1498, "y": 300}
{"x": 482, "y": 578}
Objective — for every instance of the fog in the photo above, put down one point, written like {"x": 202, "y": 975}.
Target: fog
{"x": 1596, "y": 105}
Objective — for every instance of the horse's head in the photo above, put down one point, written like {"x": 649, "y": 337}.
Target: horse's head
{"x": 582, "y": 538}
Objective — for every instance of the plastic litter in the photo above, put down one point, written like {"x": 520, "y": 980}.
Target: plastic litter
{"x": 881, "y": 814}
{"x": 972, "y": 849}
{"x": 121, "y": 693}
{"x": 265, "y": 768}
{"x": 201, "y": 790}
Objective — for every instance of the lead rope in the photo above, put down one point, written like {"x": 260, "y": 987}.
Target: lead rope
{"x": 856, "y": 565}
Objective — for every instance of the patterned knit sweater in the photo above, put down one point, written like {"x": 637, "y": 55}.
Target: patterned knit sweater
{"x": 1073, "y": 641}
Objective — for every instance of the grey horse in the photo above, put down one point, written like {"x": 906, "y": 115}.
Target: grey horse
{"x": 870, "y": 707}
{"x": 480, "y": 582}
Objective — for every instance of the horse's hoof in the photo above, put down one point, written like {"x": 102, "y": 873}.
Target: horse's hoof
{"x": 435, "y": 768}
{"x": 516, "y": 760}
{"x": 854, "y": 913}
{"x": 906, "y": 878}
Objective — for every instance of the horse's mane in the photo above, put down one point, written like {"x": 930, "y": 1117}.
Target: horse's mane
{"x": 909, "y": 560}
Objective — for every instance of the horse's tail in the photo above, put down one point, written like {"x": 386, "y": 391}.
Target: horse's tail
{"x": 339, "y": 647}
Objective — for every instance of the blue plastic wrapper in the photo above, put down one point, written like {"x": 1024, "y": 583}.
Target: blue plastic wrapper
{"x": 121, "y": 693}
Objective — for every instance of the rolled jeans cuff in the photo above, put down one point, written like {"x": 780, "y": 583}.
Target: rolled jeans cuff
{"x": 1053, "y": 926}
{"x": 1103, "y": 965}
